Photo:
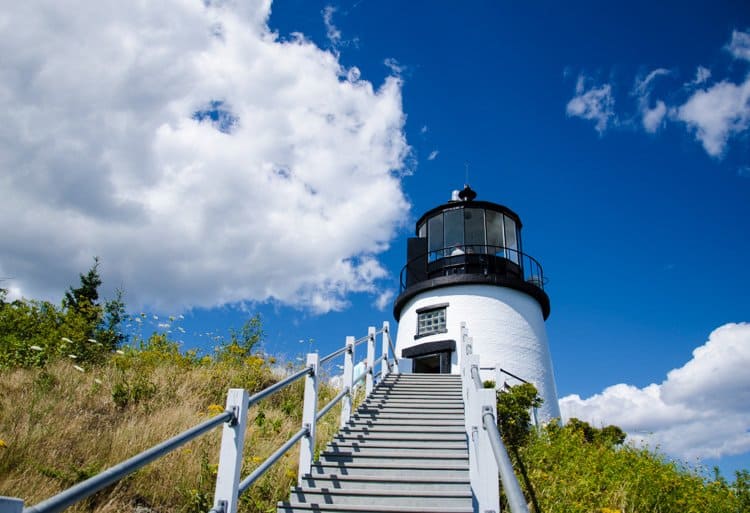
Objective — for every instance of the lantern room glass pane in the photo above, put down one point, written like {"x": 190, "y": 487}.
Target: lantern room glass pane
{"x": 474, "y": 236}
{"x": 435, "y": 236}
{"x": 454, "y": 229}
{"x": 511, "y": 241}
{"x": 494, "y": 231}
{"x": 422, "y": 231}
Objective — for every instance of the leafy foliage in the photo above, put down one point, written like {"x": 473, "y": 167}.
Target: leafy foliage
{"x": 514, "y": 419}
{"x": 34, "y": 332}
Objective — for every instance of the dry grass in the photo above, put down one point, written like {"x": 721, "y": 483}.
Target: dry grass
{"x": 59, "y": 426}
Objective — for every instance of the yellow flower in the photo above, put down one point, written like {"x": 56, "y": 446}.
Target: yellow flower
{"x": 3, "y": 444}
{"x": 257, "y": 459}
{"x": 215, "y": 409}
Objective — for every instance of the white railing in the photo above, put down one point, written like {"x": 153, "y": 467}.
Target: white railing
{"x": 234, "y": 421}
{"x": 487, "y": 454}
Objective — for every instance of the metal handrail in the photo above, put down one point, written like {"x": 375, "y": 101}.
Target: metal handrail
{"x": 512, "y": 488}
{"x": 325, "y": 409}
{"x": 333, "y": 355}
{"x": 281, "y": 384}
{"x": 361, "y": 339}
{"x": 475, "y": 376}
{"x": 92, "y": 485}
{"x": 245, "y": 483}
{"x": 393, "y": 349}
{"x": 516, "y": 500}
{"x": 530, "y": 268}
{"x": 363, "y": 375}
{"x": 80, "y": 491}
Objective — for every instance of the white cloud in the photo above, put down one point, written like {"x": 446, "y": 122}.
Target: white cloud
{"x": 433, "y": 155}
{"x": 651, "y": 117}
{"x": 702, "y": 75}
{"x": 716, "y": 114}
{"x": 383, "y": 300}
{"x": 202, "y": 158}
{"x": 595, "y": 104}
{"x": 701, "y": 409}
{"x": 643, "y": 87}
{"x": 394, "y": 66}
{"x": 739, "y": 46}
{"x": 332, "y": 32}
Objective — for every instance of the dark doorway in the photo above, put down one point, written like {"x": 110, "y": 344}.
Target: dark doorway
{"x": 436, "y": 363}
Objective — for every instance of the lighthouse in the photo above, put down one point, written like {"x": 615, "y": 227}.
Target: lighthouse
{"x": 467, "y": 264}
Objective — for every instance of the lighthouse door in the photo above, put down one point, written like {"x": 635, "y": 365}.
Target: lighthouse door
{"x": 437, "y": 363}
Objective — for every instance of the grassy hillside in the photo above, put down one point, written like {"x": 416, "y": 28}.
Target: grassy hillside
{"x": 59, "y": 425}
{"x": 582, "y": 469}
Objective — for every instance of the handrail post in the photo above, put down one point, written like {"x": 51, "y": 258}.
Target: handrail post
{"x": 369, "y": 378}
{"x": 230, "y": 455}
{"x": 346, "y": 404}
{"x": 384, "y": 366}
{"x": 309, "y": 409}
{"x": 11, "y": 505}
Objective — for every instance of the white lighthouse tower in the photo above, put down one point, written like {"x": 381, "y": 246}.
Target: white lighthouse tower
{"x": 466, "y": 264}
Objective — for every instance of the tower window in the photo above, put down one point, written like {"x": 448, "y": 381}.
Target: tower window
{"x": 431, "y": 320}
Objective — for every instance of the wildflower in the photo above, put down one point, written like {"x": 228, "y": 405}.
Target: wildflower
{"x": 36, "y": 348}
{"x": 215, "y": 409}
{"x": 3, "y": 445}
{"x": 97, "y": 381}
{"x": 120, "y": 351}
{"x": 79, "y": 369}
{"x": 93, "y": 341}
{"x": 66, "y": 339}
{"x": 138, "y": 320}
{"x": 257, "y": 459}
{"x": 72, "y": 356}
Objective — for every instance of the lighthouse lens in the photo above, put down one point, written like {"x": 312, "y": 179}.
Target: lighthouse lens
{"x": 435, "y": 236}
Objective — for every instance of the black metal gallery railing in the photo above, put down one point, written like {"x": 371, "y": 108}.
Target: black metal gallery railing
{"x": 473, "y": 259}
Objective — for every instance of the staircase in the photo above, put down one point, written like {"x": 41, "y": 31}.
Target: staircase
{"x": 404, "y": 450}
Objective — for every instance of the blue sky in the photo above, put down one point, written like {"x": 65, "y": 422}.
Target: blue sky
{"x": 619, "y": 134}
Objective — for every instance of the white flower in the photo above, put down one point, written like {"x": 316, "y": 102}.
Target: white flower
{"x": 79, "y": 369}
{"x": 93, "y": 341}
{"x": 119, "y": 351}
{"x": 66, "y": 339}
{"x": 97, "y": 381}
{"x": 74, "y": 357}
{"x": 36, "y": 348}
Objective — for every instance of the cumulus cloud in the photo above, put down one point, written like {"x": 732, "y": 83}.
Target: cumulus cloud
{"x": 204, "y": 159}
{"x": 701, "y": 409}
{"x": 594, "y": 103}
{"x": 719, "y": 112}
{"x": 716, "y": 114}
